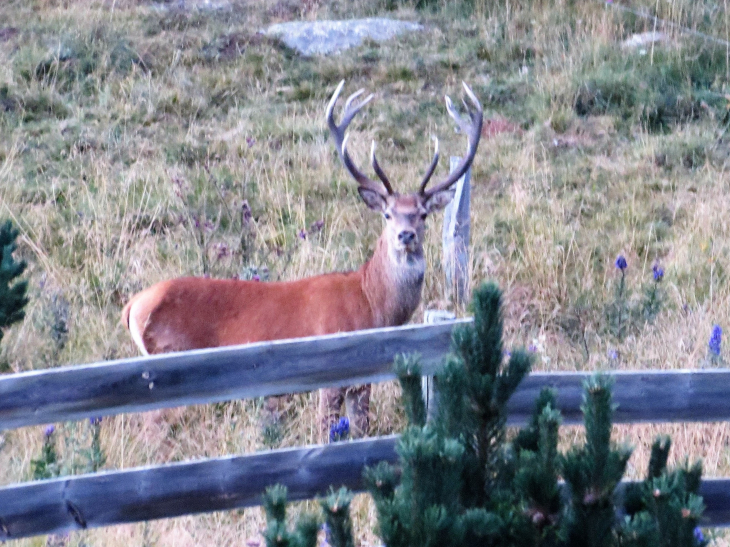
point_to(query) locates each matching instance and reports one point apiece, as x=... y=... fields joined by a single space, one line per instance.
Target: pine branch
x=277 y=534
x=408 y=370
x=337 y=517
x=659 y=455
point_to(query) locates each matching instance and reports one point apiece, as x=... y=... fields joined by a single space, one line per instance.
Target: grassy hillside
x=141 y=141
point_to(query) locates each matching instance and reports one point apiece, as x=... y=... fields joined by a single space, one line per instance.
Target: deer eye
x=387 y=216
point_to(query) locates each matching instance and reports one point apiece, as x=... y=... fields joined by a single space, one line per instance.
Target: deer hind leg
x=357 y=408
x=330 y=405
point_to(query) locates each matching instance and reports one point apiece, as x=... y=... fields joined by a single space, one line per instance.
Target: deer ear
x=440 y=200
x=372 y=199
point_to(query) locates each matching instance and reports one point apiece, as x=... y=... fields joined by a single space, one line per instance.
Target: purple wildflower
x=657 y=272
x=699 y=537
x=49 y=430
x=302 y=234
x=621 y=263
x=95 y=420
x=340 y=430
x=612 y=354
x=250 y=141
x=316 y=226
x=715 y=341
x=255 y=277
x=246 y=214
x=222 y=250
x=532 y=348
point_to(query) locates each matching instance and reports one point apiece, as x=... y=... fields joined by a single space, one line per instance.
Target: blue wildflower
x=340 y=430
x=621 y=262
x=96 y=420
x=715 y=341
x=658 y=273
x=699 y=537
x=49 y=430
x=612 y=354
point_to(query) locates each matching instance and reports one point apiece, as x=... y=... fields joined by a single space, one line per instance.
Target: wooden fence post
x=457 y=225
x=455 y=243
x=427 y=382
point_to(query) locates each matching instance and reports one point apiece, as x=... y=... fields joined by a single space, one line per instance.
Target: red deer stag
x=192 y=312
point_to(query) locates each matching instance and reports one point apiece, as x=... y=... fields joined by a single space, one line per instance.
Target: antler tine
x=473 y=130
x=354 y=96
x=432 y=167
x=339 y=133
x=378 y=171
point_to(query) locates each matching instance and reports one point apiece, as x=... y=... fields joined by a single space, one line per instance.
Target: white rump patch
x=136 y=331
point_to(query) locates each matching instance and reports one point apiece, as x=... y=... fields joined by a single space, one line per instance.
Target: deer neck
x=392 y=282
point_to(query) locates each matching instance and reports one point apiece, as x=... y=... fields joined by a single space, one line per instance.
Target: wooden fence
x=271 y=368
x=131 y=385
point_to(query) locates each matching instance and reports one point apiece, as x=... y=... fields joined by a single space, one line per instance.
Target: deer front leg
x=357 y=409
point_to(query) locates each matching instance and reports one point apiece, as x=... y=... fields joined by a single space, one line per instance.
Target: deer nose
x=406 y=237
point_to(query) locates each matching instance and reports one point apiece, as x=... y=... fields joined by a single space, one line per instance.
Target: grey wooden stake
x=455 y=263
x=430 y=397
x=457 y=225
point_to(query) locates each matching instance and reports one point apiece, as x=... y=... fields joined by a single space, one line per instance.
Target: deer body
x=193 y=313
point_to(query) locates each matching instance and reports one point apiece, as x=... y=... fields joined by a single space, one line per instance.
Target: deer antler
x=473 y=130
x=432 y=167
x=339 y=133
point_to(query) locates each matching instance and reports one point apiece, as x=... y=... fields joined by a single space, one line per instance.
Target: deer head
x=405 y=214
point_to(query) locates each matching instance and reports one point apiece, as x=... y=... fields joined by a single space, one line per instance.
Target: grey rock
x=644 y=39
x=327 y=37
x=202 y=6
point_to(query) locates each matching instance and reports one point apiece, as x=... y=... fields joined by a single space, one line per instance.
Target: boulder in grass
x=645 y=39
x=310 y=38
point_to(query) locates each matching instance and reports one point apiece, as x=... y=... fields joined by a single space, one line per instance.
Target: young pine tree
x=12 y=290
x=452 y=484
x=459 y=482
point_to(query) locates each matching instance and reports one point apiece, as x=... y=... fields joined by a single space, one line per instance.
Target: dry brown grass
x=88 y=164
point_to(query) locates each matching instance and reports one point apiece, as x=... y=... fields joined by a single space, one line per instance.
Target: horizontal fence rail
x=117 y=497
x=272 y=368
x=213 y=375
x=656 y=396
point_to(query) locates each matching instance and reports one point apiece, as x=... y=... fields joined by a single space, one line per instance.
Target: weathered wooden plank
x=220 y=374
x=256 y=370
x=716 y=496
x=641 y=395
x=103 y=499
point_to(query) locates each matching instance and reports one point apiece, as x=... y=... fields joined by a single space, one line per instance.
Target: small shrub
x=47 y=466
x=83 y=452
